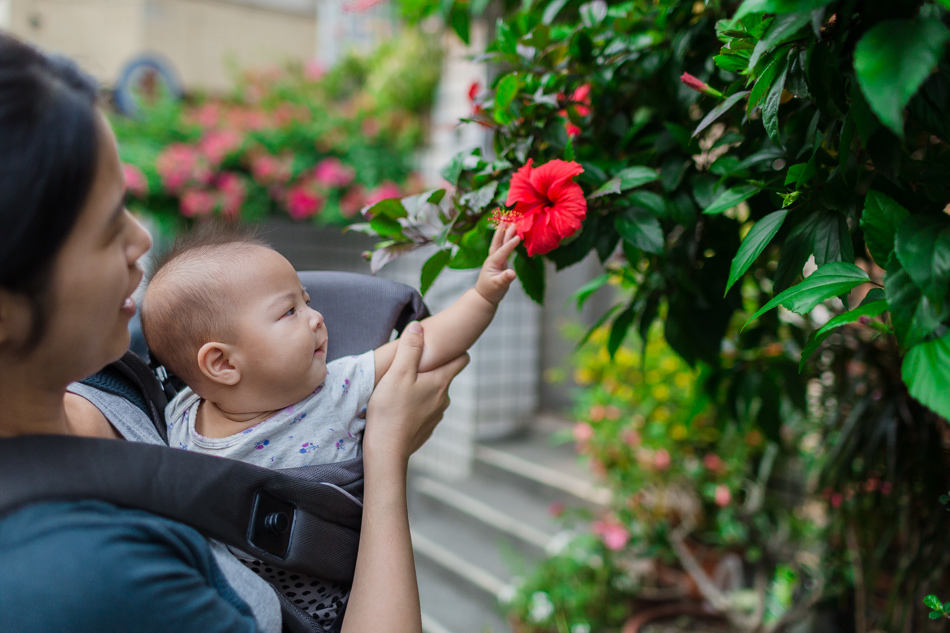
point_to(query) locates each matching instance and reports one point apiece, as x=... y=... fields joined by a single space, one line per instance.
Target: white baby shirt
x=324 y=427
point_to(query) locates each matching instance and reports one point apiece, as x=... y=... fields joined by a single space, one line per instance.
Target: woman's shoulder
x=101 y=567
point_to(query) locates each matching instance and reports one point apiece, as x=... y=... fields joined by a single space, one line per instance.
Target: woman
x=69 y=256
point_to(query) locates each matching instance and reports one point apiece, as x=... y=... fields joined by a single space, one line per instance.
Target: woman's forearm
x=385 y=595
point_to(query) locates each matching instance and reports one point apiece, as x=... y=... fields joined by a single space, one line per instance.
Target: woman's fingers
x=408 y=352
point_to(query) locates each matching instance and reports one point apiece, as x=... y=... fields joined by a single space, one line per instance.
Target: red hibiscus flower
x=548 y=204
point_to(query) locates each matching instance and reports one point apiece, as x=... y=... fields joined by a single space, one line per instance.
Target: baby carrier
x=302 y=519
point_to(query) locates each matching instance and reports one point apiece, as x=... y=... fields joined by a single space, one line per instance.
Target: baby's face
x=281 y=341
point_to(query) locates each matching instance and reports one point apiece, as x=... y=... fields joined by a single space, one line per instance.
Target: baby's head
x=228 y=315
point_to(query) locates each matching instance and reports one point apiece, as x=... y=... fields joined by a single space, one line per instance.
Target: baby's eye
x=291 y=312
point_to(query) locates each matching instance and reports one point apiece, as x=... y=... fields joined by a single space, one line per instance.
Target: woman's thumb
x=409 y=351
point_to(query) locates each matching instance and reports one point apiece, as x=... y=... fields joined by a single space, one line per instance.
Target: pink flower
x=180 y=165
x=556 y=508
x=631 y=438
x=232 y=191
x=196 y=203
x=313 y=70
x=331 y=172
x=713 y=462
x=580 y=101
x=583 y=432
x=270 y=170
x=207 y=114
x=597 y=413
x=352 y=201
x=303 y=203
x=836 y=499
x=384 y=191
x=614 y=535
x=135 y=182
x=723 y=495
x=217 y=144
x=661 y=459
x=699 y=86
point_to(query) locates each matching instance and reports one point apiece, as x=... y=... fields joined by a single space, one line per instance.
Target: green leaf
x=636 y=176
x=431 y=270
x=770 y=107
x=481 y=197
x=460 y=19
x=584 y=292
x=609 y=187
x=505 y=93
x=473 y=249
x=530 y=272
x=779 y=6
x=831 y=280
x=926 y=372
x=934 y=615
x=880 y=220
x=730 y=198
x=782 y=29
x=551 y=11
x=390 y=207
x=640 y=228
x=923 y=247
x=869 y=309
x=619 y=329
x=903 y=297
x=893 y=59
x=765 y=81
x=569 y=150
x=593 y=13
x=832 y=240
x=386 y=226
x=719 y=110
x=754 y=243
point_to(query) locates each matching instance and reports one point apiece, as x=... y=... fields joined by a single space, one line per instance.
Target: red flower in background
x=384 y=191
x=303 y=203
x=331 y=172
x=196 y=203
x=581 y=103
x=699 y=86
x=548 y=204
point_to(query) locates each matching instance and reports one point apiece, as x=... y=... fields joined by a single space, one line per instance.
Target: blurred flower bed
x=294 y=141
x=693 y=499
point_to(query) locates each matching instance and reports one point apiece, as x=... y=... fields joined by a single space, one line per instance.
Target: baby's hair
x=190 y=295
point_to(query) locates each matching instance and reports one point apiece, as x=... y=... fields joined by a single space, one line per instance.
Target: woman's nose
x=139 y=242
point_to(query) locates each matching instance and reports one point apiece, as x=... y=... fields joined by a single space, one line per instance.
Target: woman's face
x=94 y=276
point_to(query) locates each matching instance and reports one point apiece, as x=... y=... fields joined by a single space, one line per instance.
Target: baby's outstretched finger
x=498 y=238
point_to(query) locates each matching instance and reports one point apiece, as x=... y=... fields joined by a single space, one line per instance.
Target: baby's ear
x=214 y=361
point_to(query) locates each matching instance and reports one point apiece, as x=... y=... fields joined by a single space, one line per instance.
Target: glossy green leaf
x=893 y=59
x=730 y=198
x=831 y=280
x=903 y=297
x=551 y=11
x=584 y=292
x=386 y=226
x=754 y=243
x=390 y=207
x=619 y=329
x=505 y=93
x=593 y=13
x=880 y=220
x=432 y=268
x=719 y=110
x=922 y=245
x=530 y=271
x=636 y=176
x=782 y=29
x=779 y=6
x=932 y=602
x=816 y=338
x=832 y=239
x=641 y=229
x=610 y=187
x=771 y=105
x=480 y=198
x=926 y=372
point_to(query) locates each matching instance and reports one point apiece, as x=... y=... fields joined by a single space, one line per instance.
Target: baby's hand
x=495 y=277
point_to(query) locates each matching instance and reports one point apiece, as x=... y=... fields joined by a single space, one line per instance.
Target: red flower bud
x=699 y=86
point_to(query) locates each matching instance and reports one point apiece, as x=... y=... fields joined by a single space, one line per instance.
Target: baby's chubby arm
x=451 y=332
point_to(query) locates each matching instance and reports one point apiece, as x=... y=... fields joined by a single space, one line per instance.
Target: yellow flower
x=678 y=432
x=682 y=380
x=661 y=414
x=661 y=392
x=583 y=376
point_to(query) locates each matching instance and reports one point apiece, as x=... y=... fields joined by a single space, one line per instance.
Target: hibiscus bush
x=735 y=157
x=293 y=141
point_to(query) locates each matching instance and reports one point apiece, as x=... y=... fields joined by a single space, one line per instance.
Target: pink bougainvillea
x=135 y=182
x=384 y=191
x=331 y=172
x=303 y=203
x=197 y=203
x=614 y=535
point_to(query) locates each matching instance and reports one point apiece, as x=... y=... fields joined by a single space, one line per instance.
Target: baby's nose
x=316 y=320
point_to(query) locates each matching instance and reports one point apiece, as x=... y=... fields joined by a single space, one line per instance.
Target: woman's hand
x=406 y=405
x=404 y=409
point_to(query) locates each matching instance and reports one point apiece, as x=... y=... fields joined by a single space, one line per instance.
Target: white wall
x=4 y=14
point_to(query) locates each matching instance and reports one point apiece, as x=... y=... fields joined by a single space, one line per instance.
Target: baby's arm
x=451 y=332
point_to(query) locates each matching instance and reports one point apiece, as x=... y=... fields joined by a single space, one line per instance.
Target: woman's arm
x=402 y=413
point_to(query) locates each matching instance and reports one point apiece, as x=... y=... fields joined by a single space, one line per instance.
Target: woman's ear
x=215 y=360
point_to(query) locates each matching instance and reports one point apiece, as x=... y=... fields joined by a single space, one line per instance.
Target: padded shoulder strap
x=289 y=519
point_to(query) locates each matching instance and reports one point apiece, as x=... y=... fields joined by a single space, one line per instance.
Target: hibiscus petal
x=547 y=175
x=521 y=190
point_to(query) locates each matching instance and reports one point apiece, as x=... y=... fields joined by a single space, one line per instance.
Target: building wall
x=203 y=39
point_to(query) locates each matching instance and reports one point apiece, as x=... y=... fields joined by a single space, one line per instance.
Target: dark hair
x=48 y=158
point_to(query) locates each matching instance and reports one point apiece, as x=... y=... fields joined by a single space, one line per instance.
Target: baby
x=229 y=316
